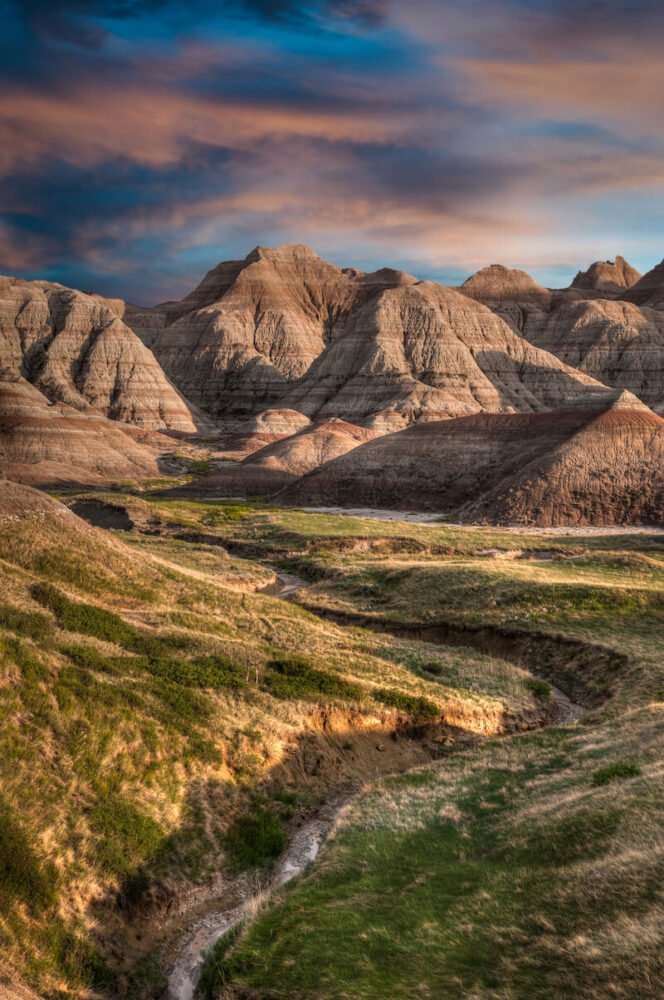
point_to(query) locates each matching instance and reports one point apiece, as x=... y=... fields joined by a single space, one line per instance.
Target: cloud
x=437 y=136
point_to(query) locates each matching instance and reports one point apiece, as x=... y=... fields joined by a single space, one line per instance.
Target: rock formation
x=649 y=291
x=614 y=341
x=607 y=276
x=601 y=465
x=280 y=463
x=283 y=329
x=75 y=349
x=47 y=444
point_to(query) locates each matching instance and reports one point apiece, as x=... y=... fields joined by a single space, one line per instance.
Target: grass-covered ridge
x=526 y=868
x=144 y=708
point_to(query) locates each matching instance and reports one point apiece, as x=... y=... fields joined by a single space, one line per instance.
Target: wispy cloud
x=439 y=137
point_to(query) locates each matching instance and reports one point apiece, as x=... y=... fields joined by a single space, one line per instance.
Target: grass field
x=530 y=867
x=158 y=716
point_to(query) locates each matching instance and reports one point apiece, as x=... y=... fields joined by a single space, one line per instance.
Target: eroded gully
x=234 y=901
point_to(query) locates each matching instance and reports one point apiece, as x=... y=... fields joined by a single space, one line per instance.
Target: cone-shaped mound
x=573 y=466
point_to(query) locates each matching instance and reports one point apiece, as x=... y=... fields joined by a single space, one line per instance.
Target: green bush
x=539 y=688
x=31 y=624
x=414 y=705
x=88 y=619
x=254 y=839
x=614 y=772
x=23 y=875
x=294 y=677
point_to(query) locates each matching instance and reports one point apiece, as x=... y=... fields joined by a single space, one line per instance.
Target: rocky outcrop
x=607 y=276
x=426 y=352
x=46 y=444
x=278 y=422
x=649 y=291
x=604 y=325
x=252 y=328
x=75 y=349
x=616 y=342
x=602 y=465
x=284 y=330
x=282 y=462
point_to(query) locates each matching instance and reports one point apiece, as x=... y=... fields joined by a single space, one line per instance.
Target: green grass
x=23 y=873
x=513 y=872
x=420 y=708
x=434 y=889
x=293 y=676
x=31 y=624
x=617 y=771
x=254 y=839
x=87 y=619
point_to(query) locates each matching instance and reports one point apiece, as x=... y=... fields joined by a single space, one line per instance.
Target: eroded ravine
x=239 y=899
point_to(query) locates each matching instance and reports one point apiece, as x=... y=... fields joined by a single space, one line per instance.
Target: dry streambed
x=238 y=899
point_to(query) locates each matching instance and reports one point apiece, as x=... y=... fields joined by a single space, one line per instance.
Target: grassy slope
x=529 y=867
x=142 y=710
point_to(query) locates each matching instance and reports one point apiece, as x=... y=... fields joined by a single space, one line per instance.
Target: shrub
x=23 y=875
x=127 y=837
x=413 y=705
x=539 y=688
x=614 y=772
x=295 y=677
x=88 y=619
x=31 y=624
x=215 y=672
x=254 y=839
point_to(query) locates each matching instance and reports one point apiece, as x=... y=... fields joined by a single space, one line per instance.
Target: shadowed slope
x=573 y=466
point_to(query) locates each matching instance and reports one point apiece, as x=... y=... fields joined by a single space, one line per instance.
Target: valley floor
x=171 y=722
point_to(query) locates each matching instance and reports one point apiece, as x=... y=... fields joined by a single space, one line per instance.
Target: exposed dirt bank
x=586 y=671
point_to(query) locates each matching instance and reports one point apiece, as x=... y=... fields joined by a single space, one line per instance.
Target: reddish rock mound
x=44 y=443
x=574 y=466
x=281 y=463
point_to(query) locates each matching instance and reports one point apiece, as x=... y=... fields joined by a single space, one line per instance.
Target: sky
x=143 y=141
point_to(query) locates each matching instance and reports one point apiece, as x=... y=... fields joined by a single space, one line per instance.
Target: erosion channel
x=236 y=900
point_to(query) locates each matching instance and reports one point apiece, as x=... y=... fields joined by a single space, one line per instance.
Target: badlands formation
x=331 y=385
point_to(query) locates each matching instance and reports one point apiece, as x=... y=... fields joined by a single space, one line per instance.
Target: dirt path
x=240 y=899
x=439 y=521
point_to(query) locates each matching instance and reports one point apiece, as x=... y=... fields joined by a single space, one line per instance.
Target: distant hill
x=576 y=466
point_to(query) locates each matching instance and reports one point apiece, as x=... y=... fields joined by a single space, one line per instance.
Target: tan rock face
x=276 y=422
x=43 y=443
x=605 y=325
x=284 y=330
x=251 y=328
x=650 y=289
x=614 y=341
x=575 y=466
x=75 y=349
x=607 y=276
x=425 y=352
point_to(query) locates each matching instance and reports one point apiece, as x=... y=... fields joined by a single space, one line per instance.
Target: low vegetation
x=158 y=728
